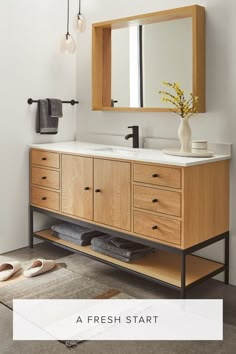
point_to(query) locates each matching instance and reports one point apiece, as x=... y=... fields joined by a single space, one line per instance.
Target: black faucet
x=135 y=136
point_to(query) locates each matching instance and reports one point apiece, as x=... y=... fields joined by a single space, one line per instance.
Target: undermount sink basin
x=116 y=151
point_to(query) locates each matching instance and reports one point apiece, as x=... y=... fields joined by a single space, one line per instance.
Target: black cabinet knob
x=155 y=200
x=44 y=177
x=44 y=198
x=155 y=175
x=155 y=227
x=44 y=158
x=86 y=188
x=97 y=190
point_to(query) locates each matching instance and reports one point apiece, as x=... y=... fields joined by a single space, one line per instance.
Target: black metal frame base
x=182 y=252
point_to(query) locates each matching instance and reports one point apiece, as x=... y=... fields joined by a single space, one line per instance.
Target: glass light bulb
x=68 y=45
x=80 y=23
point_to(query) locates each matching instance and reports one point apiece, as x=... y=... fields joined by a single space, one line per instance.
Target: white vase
x=184 y=134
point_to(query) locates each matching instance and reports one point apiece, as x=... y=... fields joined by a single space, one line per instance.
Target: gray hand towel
x=44 y=123
x=122 y=243
x=110 y=254
x=75 y=231
x=55 y=108
x=117 y=256
x=105 y=243
x=72 y=239
x=84 y=240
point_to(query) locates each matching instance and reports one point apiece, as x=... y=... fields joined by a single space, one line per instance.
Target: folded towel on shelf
x=54 y=108
x=44 y=123
x=105 y=243
x=76 y=241
x=122 y=243
x=110 y=254
x=75 y=231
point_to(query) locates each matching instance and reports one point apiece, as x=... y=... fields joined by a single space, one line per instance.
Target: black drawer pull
x=44 y=177
x=86 y=188
x=155 y=200
x=155 y=227
x=155 y=175
x=44 y=158
x=97 y=190
x=44 y=198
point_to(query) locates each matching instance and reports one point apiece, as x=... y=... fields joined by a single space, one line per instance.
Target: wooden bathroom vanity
x=177 y=205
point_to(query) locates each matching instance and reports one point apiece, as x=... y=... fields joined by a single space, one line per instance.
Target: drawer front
x=158 y=175
x=45 y=178
x=44 y=198
x=45 y=158
x=157 y=200
x=157 y=227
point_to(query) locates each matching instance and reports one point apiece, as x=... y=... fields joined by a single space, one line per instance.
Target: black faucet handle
x=134 y=135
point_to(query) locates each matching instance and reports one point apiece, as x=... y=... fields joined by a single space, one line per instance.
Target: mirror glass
x=145 y=56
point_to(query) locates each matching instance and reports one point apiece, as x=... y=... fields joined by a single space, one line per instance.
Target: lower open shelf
x=161 y=265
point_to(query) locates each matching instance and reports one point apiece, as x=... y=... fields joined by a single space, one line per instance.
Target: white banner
x=118 y=319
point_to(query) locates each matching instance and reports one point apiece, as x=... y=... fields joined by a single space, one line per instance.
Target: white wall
x=30 y=66
x=218 y=124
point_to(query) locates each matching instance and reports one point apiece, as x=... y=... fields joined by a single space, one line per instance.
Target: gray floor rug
x=60 y=283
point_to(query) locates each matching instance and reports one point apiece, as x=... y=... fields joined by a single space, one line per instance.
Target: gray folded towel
x=117 y=256
x=44 y=123
x=72 y=239
x=105 y=243
x=54 y=108
x=110 y=254
x=75 y=231
x=122 y=243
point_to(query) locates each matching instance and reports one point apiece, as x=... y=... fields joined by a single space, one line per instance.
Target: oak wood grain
x=157 y=200
x=112 y=204
x=158 y=175
x=45 y=178
x=77 y=186
x=157 y=227
x=45 y=158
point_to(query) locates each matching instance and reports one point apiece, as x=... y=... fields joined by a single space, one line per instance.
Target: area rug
x=60 y=283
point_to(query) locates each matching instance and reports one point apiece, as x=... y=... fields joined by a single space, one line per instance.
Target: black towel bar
x=72 y=102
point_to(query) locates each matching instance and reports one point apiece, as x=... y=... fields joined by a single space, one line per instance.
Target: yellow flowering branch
x=185 y=107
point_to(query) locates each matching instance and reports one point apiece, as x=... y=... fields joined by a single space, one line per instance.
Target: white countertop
x=120 y=152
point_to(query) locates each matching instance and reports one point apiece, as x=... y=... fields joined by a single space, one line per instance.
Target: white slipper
x=39 y=266
x=7 y=269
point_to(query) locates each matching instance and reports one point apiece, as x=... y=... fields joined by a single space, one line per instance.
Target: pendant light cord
x=68 y=17
x=79 y=7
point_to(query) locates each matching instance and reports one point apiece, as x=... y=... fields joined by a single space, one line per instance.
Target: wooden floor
x=161 y=265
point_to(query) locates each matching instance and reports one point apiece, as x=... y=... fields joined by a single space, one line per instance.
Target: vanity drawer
x=157 y=227
x=158 y=175
x=45 y=158
x=158 y=200
x=45 y=178
x=44 y=198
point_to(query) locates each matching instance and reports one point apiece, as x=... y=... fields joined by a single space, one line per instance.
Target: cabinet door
x=112 y=193
x=77 y=186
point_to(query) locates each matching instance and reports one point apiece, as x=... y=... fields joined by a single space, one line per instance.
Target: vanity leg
x=31 y=220
x=226 y=275
x=183 y=276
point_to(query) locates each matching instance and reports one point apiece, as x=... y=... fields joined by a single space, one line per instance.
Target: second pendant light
x=68 y=45
x=80 y=20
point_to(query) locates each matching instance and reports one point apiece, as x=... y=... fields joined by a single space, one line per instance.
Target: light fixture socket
x=80 y=22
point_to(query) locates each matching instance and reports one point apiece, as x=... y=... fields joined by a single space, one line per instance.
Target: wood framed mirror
x=132 y=56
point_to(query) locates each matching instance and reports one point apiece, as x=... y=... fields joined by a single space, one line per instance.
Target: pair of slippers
x=39 y=266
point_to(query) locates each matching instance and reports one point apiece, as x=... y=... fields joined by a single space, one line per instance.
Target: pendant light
x=68 y=45
x=80 y=20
